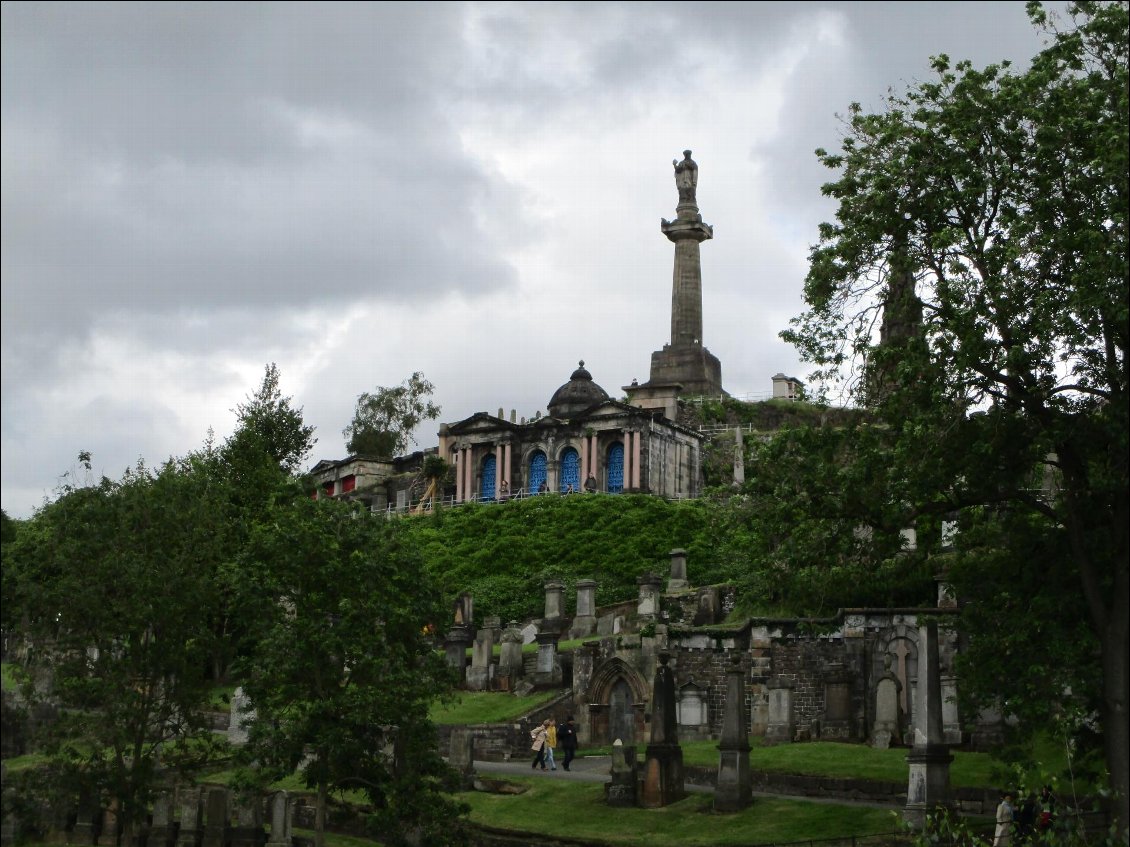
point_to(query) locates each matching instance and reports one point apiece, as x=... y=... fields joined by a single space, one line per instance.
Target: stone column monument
x=929 y=759
x=663 y=767
x=685 y=361
x=734 y=790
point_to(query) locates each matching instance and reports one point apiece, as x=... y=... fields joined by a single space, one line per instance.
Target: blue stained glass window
x=537 y=472
x=570 y=470
x=615 y=468
x=486 y=485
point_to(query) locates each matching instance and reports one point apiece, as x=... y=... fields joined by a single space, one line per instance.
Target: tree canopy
x=384 y=420
x=1000 y=199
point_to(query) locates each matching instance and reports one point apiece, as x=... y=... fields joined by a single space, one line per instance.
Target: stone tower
x=685 y=361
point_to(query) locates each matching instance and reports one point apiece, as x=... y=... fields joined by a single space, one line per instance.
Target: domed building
x=586 y=442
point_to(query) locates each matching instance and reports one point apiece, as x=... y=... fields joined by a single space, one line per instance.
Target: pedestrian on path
x=537 y=735
x=550 y=742
x=568 y=738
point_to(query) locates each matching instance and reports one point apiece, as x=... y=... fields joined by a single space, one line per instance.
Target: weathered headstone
x=929 y=760
x=677 y=581
x=248 y=829
x=548 y=668
x=510 y=663
x=216 y=819
x=280 y=820
x=191 y=831
x=707 y=611
x=461 y=756
x=584 y=622
x=837 y=722
x=242 y=715
x=623 y=788
x=478 y=675
x=691 y=709
x=734 y=788
x=885 y=728
x=553 y=592
x=649 y=603
x=163 y=832
x=663 y=766
x=781 y=728
x=529 y=633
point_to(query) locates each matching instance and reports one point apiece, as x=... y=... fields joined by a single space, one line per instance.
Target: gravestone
x=648 y=605
x=163 y=830
x=623 y=788
x=885 y=728
x=691 y=711
x=87 y=820
x=191 y=831
x=216 y=819
x=510 y=663
x=280 y=820
x=781 y=727
x=584 y=622
x=929 y=760
x=837 y=722
x=461 y=756
x=553 y=592
x=242 y=715
x=951 y=722
x=663 y=766
x=482 y=654
x=248 y=829
x=494 y=624
x=548 y=668
x=677 y=581
x=707 y=611
x=529 y=633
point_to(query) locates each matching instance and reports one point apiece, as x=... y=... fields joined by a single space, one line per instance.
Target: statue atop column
x=686 y=178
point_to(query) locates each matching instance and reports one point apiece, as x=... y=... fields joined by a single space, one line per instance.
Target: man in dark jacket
x=567 y=738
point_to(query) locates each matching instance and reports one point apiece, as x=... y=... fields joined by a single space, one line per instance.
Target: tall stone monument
x=734 y=787
x=928 y=785
x=663 y=767
x=685 y=361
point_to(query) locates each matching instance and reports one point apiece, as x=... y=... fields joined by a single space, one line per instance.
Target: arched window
x=570 y=470
x=486 y=481
x=536 y=477
x=615 y=466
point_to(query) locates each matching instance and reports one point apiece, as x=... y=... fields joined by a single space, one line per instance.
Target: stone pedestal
x=455 y=646
x=280 y=820
x=553 y=592
x=623 y=789
x=482 y=654
x=648 y=606
x=216 y=819
x=510 y=663
x=734 y=788
x=548 y=668
x=462 y=756
x=677 y=581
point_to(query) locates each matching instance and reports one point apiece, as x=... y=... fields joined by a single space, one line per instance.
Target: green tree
x=1006 y=194
x=268 y=424
x=106 y=585
x=383 y=421
x=343 y=669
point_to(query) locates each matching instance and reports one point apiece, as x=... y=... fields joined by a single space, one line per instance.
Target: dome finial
x=581 y=363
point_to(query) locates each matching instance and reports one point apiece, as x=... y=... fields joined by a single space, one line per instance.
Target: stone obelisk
x=685 y=361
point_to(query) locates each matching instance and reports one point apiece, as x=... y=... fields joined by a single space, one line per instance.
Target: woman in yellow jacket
x=550 y=743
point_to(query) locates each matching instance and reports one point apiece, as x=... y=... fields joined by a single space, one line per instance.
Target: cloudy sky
x=360 y=191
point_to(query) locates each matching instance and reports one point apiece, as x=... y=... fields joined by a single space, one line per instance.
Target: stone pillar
x=929 y=760
x=280 y=820
x=951 y=722
x=248 y=830
x=191 y=832
x=242 y=715
x=459 y=637
x=782 y=724
x=584 y=474
x=678 y=579
x=663 y=769
x=510 y=664
x=459 y=475
x=594 y=458
x=649 y=602
x=506 y=449
x=734 y=789
x=553 y=591
x=216 y=819
x=624 y=785
x=584 y=622
x=498 y=469
x=478 y=676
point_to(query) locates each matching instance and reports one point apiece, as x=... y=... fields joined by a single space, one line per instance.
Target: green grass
x=578 y=809
x=487 y=707
x=8 y=676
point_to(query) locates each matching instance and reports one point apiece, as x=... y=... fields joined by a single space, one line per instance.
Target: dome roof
x=578 y=394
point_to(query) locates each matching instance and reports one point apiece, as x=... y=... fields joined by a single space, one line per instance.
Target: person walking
x=1002 y=837
x=537 y=735
x=550 y=742
x=568 y=738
